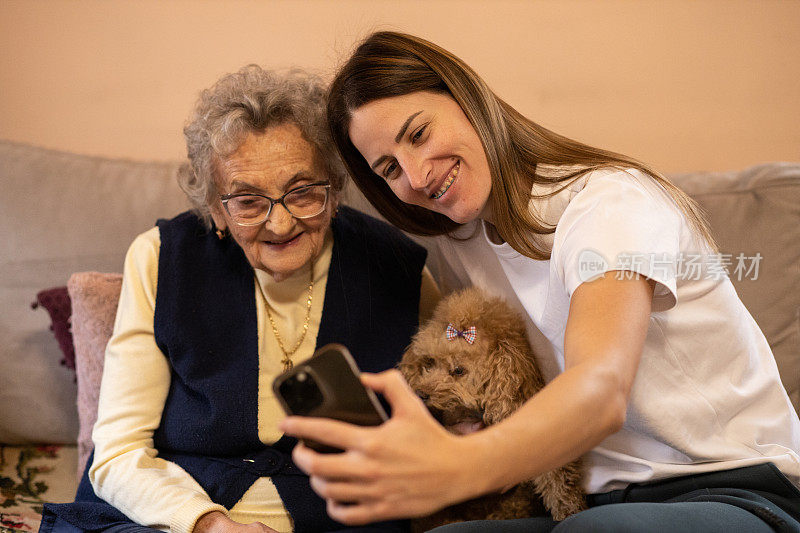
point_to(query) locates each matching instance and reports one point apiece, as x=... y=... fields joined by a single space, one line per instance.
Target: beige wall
x=684 y=85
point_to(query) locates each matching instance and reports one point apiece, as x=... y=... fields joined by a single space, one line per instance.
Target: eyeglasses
x=250 y=209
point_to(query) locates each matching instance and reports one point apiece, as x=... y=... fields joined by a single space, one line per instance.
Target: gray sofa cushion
x=61 y=213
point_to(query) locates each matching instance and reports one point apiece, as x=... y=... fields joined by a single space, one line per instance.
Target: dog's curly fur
x=475 y=385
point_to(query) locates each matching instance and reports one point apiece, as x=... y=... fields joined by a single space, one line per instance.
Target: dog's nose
x=423 y=396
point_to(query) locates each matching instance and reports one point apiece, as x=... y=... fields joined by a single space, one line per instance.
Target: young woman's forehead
x=384 y=120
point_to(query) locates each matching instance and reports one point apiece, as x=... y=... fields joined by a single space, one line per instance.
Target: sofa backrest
x=61 y=213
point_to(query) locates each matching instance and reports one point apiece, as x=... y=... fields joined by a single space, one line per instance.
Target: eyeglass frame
x=224 y=198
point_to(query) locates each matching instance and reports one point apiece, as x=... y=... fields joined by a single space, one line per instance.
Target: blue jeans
x=752 y=499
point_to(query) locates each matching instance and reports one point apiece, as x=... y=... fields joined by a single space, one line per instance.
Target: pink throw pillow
x=95 y=297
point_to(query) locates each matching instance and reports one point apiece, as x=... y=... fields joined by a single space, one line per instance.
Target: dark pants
x=752 y=499
x=55 y=524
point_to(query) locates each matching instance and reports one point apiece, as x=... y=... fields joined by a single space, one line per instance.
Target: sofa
x=66 y=221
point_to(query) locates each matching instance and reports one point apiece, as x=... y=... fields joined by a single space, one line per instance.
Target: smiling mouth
x=447 y=182
x=287 y=241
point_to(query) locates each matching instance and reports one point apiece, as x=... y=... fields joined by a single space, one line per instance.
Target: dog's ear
x=412 y=364
x=513 y=378
x=406 y=365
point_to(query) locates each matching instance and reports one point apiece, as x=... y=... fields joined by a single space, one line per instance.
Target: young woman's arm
x=410 y=466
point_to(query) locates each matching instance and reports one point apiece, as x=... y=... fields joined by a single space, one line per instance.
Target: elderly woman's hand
x=409 y=466
x=217 y=522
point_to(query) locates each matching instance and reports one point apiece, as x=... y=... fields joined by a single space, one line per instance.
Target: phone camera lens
x=301 y=393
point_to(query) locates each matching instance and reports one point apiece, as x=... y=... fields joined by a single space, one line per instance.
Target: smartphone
x=327 y=385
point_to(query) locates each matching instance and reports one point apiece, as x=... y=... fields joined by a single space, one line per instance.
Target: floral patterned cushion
x=31 y=476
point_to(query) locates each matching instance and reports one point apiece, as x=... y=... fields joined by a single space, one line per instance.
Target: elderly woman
x=217 y=302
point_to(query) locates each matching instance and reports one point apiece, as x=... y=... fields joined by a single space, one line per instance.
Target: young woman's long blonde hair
x=388 y=64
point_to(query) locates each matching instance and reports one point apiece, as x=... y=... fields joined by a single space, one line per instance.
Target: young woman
x=656 y=372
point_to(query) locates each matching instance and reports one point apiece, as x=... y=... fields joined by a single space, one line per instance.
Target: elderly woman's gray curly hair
x=246 y=101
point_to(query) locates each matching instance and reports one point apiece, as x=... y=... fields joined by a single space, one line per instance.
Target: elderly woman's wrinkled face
x=271 y=163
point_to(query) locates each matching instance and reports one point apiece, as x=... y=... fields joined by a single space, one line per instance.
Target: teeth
x=447 y=182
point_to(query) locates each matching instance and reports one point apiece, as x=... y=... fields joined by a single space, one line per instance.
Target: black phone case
x=343 y=396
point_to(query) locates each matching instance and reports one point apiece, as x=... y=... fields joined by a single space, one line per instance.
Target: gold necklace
x=287 y=361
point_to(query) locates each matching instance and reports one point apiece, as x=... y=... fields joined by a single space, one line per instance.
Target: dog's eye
x=428 y=363
x=458 y=371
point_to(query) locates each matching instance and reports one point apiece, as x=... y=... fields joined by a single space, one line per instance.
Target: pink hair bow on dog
x=468 y=334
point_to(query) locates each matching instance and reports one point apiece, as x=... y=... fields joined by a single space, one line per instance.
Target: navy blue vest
x=205 y=323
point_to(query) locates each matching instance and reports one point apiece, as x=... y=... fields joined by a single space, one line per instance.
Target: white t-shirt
x=707 y=395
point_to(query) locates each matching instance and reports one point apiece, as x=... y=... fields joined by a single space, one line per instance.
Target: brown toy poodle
x=472 y=365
